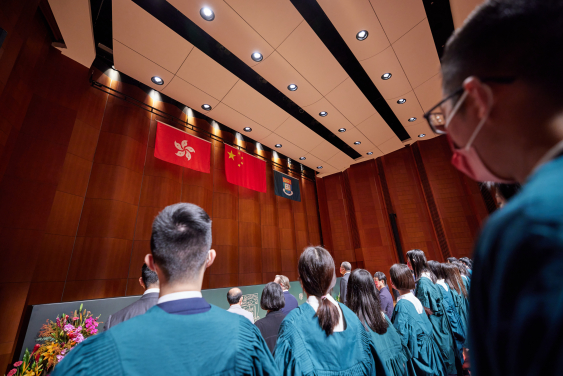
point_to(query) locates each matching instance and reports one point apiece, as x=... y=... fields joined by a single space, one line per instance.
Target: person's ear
x=149 y=260
x=210 y=258
x=480 y=95
x=142 y=283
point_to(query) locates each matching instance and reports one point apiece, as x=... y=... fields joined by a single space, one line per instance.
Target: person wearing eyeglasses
x=502 y=114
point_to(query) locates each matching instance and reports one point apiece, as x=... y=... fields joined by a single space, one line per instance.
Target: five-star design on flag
x=232 y=156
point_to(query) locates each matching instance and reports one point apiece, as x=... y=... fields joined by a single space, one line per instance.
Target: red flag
x=174 y=146
x=245 y=170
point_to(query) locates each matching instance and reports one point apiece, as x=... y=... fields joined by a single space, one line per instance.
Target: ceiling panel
x=144 y=34
x=299 y=134
x=206 y=74
x=324 y=151
x=327 y=170
x=351 y=102
x=138 y=66
x=373 y=128
x=350 y=17
x=274 y=20
x=313 y=162
x=189 y=95
x=461 y=9
x=430 y=92
x=399 y=16
x=255 y=106
x=352 y=135
x=280 y=73
x=340 y=161
x=420 y=128
x=333 y=121
x=411 y=108
x=387 y=62
x=417 y=53
x=235 y=120
x=228 y=28
x=288 y=149
x=391 y=145
x=310 y=57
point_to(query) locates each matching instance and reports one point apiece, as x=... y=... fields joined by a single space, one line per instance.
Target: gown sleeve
x=253 y=357
x=284 y=356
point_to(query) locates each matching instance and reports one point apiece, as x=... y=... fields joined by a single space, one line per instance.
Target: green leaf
x=81 y=306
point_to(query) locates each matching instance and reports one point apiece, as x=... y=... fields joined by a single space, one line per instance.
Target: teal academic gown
x=303 y=348
x=424 y=357
x=516 y=318
x=158 y=343
x=431 y=297
x=462 y=307
x=390 y=350
x=456 y=325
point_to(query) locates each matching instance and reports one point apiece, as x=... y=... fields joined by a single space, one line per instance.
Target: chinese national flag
x=245 y=170
x=174 y=146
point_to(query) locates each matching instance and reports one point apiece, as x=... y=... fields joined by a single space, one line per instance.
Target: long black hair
x=316 y=273
x=454 y=280
x=363 y=299
x=417 y=258
x=437 y=269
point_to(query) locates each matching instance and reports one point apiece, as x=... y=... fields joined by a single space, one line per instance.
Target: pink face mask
x=467 y=160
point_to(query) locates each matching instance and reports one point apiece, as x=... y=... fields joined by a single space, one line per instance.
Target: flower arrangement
x=60 y=336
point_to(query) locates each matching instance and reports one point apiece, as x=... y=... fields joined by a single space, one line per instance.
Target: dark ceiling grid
x=183 y=26
x=317 y=19
x=441 y=22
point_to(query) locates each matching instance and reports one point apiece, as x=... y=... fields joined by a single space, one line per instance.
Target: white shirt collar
x=314 y=303
x=426 y=274
x=551 y=153
x=413 y=299
x=179 y=295
x=148 y=291
x=443 y=283
x=285 y=290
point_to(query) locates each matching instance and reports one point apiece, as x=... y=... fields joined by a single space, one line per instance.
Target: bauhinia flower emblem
x=184 y=149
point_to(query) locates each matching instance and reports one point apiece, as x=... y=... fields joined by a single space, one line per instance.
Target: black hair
x=272 y=297
x=505 y=191
x=380 y=276
x=148 y=276
x=509 y=38
x=233 y=296
x=437 y=269
x=451 y=259
x=316 y=272
x=419 y=265
x=180 y=241
x=467 y=261
x=462 y=268
x=454 y=280
x=401 y=277
x=363 y=299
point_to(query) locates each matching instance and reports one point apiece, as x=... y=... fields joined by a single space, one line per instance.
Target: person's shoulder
x=297 y=314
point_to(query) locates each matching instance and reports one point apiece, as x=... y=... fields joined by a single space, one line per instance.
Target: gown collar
x=442 y=283
x=413 y=299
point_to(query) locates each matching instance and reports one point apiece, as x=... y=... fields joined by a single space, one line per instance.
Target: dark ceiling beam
x=441 y=22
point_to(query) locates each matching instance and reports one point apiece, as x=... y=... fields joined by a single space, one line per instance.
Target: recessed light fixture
x=362 y=35
x=421 y=135
x=207 y=14
x=257 y=56
x=278 y=145
x=412 y=119
x=247 y=129
x=302 y=158
x=157 y=80
x=113 y=67
x=206 y=107
x=292 y=87
x=342 y=130
x=386 y=76
x=319 y=167
x=323 y=113
x=369 y=153
x=401 y=101
x=357 y=143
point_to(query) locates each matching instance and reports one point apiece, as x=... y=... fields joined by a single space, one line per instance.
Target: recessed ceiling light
x=157 y=80
x=206 y=107
x=207 y=14
x=113 y=67
x=369 y=153
x=421 y=135
x=292 y=87
x=257 y=56
x=323 y=113
x=278 y=145
x=342 y=130
x=247 y=129
x=386 y=76
x=319 y=167
x=362 y=35
x=357 y=143
x=401 y=101
x=412 y=119
x=302 y=158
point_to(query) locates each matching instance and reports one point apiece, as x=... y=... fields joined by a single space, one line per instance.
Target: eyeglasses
x=435 y=116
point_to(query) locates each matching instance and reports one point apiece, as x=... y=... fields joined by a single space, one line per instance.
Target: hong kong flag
x=245 y=170
x=174 y=146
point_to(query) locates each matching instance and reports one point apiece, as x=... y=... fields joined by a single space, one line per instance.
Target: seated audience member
x=272 y=300
x=290 y=301
x=385 y=298
x=149 y=282
x=235 y=298
x=322 y=336
x=363 y=300
x=430 y=297
x=412 y=323
x=458 y=291
x=182 y=334
x=345 y=269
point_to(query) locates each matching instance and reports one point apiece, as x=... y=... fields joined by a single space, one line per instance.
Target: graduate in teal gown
x=182 y=334
x=323 y=336
x=431 y=298
x=411 y=322
x=363 y=299
x=458 y=292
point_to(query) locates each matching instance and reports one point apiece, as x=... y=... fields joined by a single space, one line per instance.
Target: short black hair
x=181 y=240
x=509 y=38
x=380 y=276
x=272 y=297
x=234 y=297
x=401 y=277
x=148 y=276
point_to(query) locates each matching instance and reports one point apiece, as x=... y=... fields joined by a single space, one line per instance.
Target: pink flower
x=12 y=372
x=63 y=352
x=79 y=338
x=68 y=328
x=17 y=364
x=59 y=358
x=93 y=331
x=75 y=318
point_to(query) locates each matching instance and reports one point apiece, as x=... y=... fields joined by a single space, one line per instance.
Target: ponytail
x=328 y=315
